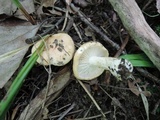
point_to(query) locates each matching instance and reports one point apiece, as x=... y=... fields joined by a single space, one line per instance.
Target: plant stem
x=25 y=13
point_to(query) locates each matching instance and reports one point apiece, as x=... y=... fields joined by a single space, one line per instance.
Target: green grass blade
x=141 y=63
x=17 y=83
x=138 y=60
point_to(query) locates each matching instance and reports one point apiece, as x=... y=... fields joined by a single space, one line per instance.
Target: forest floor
x=115 y=98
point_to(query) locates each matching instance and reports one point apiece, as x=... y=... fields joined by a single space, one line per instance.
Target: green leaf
x=138 y=60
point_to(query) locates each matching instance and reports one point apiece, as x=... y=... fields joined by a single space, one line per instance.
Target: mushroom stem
x=117 y=67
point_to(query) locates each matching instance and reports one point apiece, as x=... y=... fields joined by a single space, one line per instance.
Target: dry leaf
x=147 y=93
x=48 y=3
x=133 y=88
x=88 y=32
x=8 y=8
x=13 y=48
x=58 y=83
x=68 y=2
x=158 y=5
x=55 y=12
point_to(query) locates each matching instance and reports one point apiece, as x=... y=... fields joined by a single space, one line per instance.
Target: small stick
x=65 y=20
x=116 y=102
x=67 y=111
x=38 y=37
x=92 y=117
x=76 y=29
x=95 y=28
x=148 y=75
x=147 y=4
x=96 y=104
x=122 y=47
x=155 y=107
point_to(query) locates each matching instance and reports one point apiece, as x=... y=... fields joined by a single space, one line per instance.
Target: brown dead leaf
x=146 y=93
x=48 y=3
x=133 y=88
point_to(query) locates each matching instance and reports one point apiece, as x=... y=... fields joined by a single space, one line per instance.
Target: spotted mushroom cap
x=59 y=50
x=81 y=68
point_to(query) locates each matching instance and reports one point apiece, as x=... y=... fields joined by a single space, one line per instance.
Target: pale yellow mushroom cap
x=81 y=68
x=59 y=50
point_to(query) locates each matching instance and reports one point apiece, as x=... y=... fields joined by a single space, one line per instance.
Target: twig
x=86 y=113
x=92 y=98
x=95 y=28
x=93 y=117
x=65 y=20
x=69 y=24
x=110 y=22
x=64 y=107
x=76 y=29
x=116 y=102
x=67 y=111
x=147 y=4
x=148 y=75
x=37 y=37
x=70 y=113
x=155 y=107
x=122 y=47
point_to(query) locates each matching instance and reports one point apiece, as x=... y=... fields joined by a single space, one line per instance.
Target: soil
x=115 y=98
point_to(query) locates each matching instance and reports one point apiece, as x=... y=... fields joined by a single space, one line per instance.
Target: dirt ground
x=115 y=98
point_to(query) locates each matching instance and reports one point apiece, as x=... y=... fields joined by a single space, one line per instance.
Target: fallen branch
x=134 y=21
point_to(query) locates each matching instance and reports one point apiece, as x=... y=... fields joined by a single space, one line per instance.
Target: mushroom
x=59 y=50
x=91 y=59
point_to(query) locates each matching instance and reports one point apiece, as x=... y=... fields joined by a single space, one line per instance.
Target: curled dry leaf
x=134 y=89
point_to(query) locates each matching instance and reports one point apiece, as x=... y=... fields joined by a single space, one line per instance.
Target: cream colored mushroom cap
x=81 y=68
x=59 y=50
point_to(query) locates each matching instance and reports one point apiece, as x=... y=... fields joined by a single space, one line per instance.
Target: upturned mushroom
x=59 y=50
x=91 y=59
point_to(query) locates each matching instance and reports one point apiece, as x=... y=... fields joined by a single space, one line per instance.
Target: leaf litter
x=73 y=93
